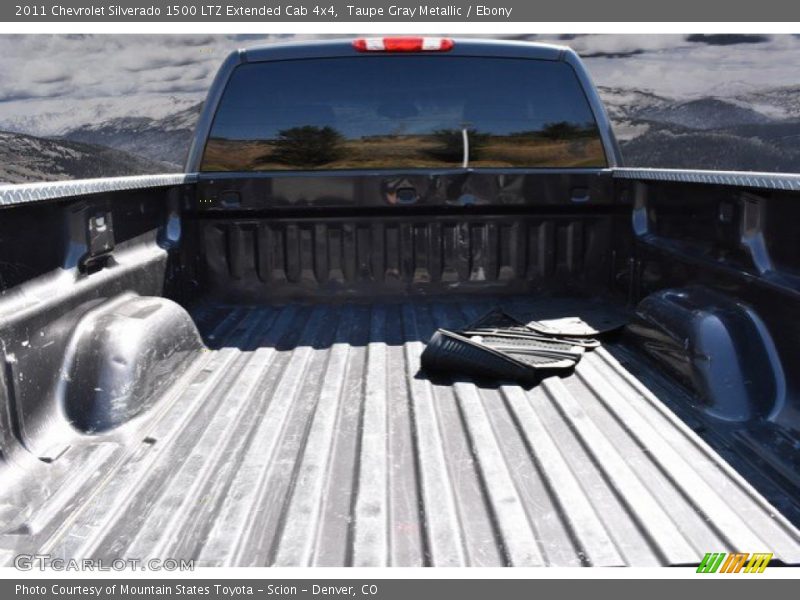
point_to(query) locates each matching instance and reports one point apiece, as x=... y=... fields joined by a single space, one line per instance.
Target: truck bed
x=224 y=365
x=307 y=435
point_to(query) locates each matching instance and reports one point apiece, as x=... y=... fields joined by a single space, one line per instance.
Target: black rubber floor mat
x=452 y=353
x=499 y=345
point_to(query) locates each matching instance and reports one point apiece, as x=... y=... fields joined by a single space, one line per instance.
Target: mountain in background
x=164 y=139
x=753 y=130
x=625 y=103
x=54 y=117
x=704 y=112
x=779 y=102
x=726 y=150
x=26 y=159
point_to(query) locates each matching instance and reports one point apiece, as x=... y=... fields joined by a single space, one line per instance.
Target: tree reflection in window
x=403 y=112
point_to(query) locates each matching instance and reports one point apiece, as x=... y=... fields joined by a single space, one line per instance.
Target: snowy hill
x=164 y=139
x=25 y=159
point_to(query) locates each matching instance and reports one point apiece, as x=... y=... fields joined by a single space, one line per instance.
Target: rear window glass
x=399 y=112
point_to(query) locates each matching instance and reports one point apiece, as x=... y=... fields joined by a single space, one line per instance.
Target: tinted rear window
x=398 y=112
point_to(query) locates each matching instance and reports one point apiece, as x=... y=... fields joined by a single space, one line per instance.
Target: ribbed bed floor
x=308 y=436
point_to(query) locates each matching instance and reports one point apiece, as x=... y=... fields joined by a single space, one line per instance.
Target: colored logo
x=738 y=562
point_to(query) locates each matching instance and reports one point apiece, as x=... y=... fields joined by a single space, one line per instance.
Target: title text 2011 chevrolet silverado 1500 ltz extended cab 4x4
x=224 y=365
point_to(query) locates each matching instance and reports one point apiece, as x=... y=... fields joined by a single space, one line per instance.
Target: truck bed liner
x=308 y=436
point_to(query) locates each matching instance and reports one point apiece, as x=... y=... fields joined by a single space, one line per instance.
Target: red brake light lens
x=403 y=44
